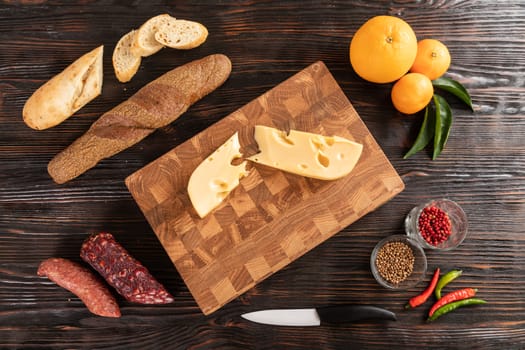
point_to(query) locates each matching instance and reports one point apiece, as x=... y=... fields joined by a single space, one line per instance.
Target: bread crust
x=156 y=105
x=65 y=93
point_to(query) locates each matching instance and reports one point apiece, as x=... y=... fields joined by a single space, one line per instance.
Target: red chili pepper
x=421 y=298
x=456 y=295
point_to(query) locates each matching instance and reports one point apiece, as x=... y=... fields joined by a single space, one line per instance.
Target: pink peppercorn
x=434 y=225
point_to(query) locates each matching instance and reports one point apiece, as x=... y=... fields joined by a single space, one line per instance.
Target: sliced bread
x=125 y=62
x=181 y=34
x=145 y=43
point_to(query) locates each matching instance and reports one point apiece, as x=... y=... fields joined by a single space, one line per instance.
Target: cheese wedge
x=216 y=177
x=307 y=154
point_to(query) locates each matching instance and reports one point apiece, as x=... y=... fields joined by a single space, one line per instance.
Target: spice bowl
x=438 y=224
x=398 y=262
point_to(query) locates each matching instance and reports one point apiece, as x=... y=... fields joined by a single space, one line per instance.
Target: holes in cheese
x=306 y=154
x=323 y=160
x=321 y=142
x=281 y=137
x=219 y=185
x=213 y=180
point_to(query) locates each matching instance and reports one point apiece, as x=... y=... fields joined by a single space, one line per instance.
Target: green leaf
x=425 y=133
x=455 y=88
x=443 y=124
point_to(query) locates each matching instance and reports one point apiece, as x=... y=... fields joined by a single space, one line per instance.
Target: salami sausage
x=81 y=282
x=122 y=271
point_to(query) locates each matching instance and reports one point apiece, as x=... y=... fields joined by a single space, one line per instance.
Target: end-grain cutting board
x=272 y=217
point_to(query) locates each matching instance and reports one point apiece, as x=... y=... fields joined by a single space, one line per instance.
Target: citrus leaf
x=443 y=124
x=425 y=133
x=455 y=88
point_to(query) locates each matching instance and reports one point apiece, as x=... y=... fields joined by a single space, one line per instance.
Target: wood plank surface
x=272 y=218
x=482 y=168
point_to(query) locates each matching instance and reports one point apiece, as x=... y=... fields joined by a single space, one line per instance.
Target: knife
x=321 y=315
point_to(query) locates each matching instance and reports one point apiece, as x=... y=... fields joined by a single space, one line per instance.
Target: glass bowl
x=458 y=225
x=387 y=263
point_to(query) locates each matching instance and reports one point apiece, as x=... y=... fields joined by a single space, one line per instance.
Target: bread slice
x=181 y=34
x=125 y=63
x=145 y=43
x=65 y=93
x=153 y=35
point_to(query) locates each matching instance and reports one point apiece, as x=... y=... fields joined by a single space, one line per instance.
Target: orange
x=432 y=59
x=412 y=93
x=383 y=49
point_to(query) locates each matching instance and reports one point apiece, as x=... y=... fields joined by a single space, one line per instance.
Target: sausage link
x=81 y=282
x=122 y=271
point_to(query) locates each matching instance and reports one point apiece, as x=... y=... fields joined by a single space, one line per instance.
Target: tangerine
x=383 y=49
x=432 y=59
x=412 y=93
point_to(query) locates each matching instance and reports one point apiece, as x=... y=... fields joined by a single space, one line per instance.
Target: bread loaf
x=155 y=105
x=66 y=92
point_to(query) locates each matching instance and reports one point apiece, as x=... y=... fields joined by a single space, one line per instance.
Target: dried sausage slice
x=122 y=271
x=81 y=282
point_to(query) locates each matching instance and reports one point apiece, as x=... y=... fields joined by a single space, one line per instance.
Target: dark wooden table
x=482 y=168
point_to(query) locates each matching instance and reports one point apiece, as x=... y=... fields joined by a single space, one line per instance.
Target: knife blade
x=318 y=316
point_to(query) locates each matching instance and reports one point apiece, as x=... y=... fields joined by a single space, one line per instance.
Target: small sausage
x=122 y=271
x=81 y=282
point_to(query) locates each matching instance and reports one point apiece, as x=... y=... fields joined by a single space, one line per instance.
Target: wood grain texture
x=482 y=168
x=272 y=218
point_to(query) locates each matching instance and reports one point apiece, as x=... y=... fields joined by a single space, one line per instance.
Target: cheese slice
x=216 y=177
x=306 y=154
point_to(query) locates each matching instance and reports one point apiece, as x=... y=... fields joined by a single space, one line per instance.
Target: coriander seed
x=395 y=262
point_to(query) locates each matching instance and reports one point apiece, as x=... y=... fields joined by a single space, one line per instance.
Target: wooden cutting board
x=272 y=217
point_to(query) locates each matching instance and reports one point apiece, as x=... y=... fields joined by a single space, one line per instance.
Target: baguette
x=65 y=93
x=154 y=106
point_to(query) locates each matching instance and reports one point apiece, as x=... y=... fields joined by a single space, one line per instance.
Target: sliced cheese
x=216 y=177
x=306 y=154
